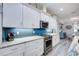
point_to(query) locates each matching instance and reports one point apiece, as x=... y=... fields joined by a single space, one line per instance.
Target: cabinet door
x=17 y=53
x=27 y=22
x=12 y=50
x=52 y=23
x=55 y=40
x=32 y=48
x=43 y=17
x=12 y=15
x=36 y=20
x=30 y=18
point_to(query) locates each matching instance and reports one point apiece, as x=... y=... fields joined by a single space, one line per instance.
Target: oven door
x=47 y=46
x=48 y=43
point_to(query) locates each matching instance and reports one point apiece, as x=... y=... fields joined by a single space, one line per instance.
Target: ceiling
x=69 y=9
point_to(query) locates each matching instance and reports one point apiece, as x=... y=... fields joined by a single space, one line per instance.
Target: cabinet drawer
x=38 y=52
x=34 y=43
x=39 y=43
x=17 y=53
x=33 y=46
x=11 y=49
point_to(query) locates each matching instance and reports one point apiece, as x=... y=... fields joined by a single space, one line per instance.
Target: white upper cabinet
x=12 y=15
x=53 y=23
x=44 y=17
x=18 y=15
x=31 y=18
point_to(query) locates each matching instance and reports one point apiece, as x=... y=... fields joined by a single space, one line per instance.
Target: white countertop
x=20 y=40
x=52 y=34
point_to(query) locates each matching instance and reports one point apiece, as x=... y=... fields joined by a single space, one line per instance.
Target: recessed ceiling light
x=61 y=9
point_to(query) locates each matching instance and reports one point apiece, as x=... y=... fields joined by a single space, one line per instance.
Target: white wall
x=0 y=26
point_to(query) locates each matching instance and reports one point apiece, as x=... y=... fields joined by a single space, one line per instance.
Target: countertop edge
x=20 y=43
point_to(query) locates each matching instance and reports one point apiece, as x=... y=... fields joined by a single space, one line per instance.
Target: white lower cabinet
x=17 y=53
x=55 y=40
x=13 y=50
x=39 y=52
x=32 y=48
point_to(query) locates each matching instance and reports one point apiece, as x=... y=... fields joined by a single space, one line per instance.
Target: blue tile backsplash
x=19 y=33
x=42 y=31
x=39 y=31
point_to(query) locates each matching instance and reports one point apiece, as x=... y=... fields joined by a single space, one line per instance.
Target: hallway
x=61 y=49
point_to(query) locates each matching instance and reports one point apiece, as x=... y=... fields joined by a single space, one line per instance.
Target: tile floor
x=61 y=49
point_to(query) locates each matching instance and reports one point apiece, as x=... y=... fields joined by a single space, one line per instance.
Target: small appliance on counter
x=10 y=36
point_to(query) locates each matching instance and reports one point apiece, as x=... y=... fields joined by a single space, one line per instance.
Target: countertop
x=51 y=34
x=20 y=40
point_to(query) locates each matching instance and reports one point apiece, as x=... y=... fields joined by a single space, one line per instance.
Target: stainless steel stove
x=47 y=44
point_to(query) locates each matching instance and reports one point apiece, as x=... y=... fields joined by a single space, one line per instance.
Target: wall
x=0 y=25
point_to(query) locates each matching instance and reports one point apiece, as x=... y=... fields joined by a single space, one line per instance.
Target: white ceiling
x=70 y=9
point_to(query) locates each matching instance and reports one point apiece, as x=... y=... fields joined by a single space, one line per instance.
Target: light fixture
x=75 y=18
x=61 y=9
x=17 y=33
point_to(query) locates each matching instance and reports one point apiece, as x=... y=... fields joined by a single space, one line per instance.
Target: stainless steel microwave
x=43 y=24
